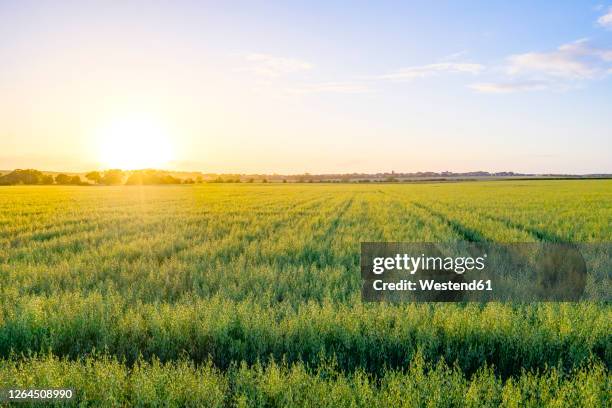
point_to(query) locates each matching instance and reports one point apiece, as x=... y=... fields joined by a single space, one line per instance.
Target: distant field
x=249 y=295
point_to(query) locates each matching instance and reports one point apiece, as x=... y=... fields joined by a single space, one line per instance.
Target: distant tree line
x=28 y=176
x=110 y=177
x=114 y=177
x=33 y=177
x=36 y=177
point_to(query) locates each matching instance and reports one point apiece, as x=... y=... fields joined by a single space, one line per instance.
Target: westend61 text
x=428 y=284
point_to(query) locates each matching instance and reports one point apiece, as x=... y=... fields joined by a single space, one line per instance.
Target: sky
x=320 y=87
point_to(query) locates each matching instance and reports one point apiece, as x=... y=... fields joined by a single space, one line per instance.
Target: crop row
x=104 y=381
x=369 y=336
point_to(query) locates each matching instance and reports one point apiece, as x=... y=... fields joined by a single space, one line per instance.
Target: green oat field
x=225 y=295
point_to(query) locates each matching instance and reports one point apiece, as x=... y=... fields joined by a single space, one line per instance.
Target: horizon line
x=445 y=173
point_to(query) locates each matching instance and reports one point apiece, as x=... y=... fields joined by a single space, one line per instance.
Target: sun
x=136 y=142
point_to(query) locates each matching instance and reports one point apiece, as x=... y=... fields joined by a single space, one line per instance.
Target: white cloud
x=509 y=87
x=329 y=87
x=422 y=71
x=576 y=60
x=567 y=67
x=272 y=66
x=606 y=20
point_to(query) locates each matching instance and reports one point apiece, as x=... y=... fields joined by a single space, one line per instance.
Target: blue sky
x=293 y=87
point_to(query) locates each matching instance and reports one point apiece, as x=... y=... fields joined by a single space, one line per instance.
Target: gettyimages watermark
x=468 y=271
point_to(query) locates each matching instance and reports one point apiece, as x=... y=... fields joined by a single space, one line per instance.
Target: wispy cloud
x=272 y=66
x=509 y=87
x=575 y=60
x=423 y=71
x=365 y=84
x=274 y=70
x=330 y=87
x=564 y=68
x=605 y=21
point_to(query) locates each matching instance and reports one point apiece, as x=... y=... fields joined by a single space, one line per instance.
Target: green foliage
x=148 y=177
x=113 y=177
x=62 y=179
x=65 y=179
x=28 y=176
x=94 y=176
x=46 y=179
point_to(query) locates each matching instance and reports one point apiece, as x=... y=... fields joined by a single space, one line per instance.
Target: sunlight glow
x=136 y=142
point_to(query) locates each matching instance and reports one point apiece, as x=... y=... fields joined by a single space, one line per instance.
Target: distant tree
x=113 y=177
x=76 y=180
x=47 y=179
x=251 y=180
x=189 y=181
x=284 y=180
x=264 y=180
x=94 y=176
x=18 y=176
x=134 y=179
x=149 y=177
x=167 y=179
x=199 y=179
x=63 y=179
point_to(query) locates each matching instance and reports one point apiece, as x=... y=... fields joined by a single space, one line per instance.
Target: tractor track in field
x=463 y=231
x=472 y=235
x=309 y=253
x=336 y=222
x=540 y=235
x=466 y=233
